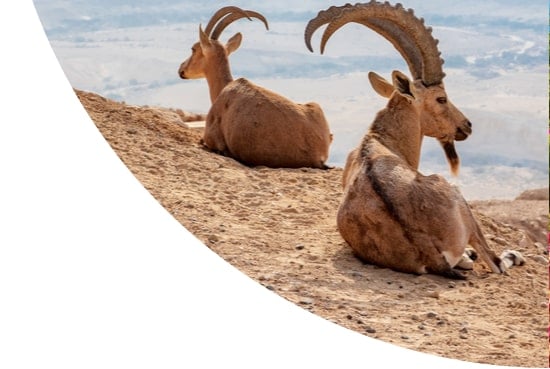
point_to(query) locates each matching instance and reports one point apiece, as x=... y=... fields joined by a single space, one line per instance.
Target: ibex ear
x=234 y=42
x=402 y=83
x=203 y=38
x=380 y=85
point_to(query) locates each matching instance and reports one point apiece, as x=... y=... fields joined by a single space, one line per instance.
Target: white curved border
x=95 y=273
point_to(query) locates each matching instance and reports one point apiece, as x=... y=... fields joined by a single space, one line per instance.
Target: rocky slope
x=278 y=226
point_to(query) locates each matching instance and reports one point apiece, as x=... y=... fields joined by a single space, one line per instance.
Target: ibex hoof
x=509 y=258
x=467 y=260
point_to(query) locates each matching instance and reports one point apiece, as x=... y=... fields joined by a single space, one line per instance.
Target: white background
x=94 y=273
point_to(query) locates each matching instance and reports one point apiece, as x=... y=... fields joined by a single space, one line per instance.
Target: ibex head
x=209 y=52
x=414 y=41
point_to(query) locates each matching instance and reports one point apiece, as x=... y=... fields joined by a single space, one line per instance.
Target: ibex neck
x=218 y=77
x=398 y=128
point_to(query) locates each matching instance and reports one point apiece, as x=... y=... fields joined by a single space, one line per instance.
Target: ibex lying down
x=249 y=123
x=392 y=215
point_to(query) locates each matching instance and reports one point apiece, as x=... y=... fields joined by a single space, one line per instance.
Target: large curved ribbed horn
x=226 y=21
x=401 y=27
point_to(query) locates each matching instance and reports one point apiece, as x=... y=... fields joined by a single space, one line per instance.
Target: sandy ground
x=278 y=226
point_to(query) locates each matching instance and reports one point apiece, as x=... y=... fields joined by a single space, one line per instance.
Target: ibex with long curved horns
x=392 y=215
x=249 y=123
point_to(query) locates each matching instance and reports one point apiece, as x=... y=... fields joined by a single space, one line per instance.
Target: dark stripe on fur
x=387 y=200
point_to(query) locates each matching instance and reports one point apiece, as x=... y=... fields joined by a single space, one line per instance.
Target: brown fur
x=250 y=123
x=391 y=214
x=259 y=127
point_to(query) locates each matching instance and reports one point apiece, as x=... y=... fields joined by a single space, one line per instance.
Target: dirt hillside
x=278 y=226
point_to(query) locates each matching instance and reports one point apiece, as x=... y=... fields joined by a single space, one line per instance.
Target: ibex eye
x=442 y=100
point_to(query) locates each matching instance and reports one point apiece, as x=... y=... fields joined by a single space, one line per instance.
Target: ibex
x=247 y=122
x=391 y=215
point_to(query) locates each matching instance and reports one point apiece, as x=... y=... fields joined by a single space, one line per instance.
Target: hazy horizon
x=495 y=59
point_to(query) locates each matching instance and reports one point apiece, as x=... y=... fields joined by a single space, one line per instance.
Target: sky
x=495 y=59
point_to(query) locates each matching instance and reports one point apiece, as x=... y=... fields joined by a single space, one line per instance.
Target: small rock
x=369 y=329
x=405 y=337
x=431 y=314
x=541 y=248
x=539 y=259
x=433 y=294
x=299 y=247
x=463 y=336
x=451 y=285
x=463 y=330
x=306 y=301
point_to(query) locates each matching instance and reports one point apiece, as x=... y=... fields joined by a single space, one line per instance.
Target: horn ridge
x=217 y=16
x=401 y=27
x=322 y=18
x=230 y=18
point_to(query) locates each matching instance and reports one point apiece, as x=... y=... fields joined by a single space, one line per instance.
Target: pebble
x=369 y=329
x=433 y=294
x=299 y=247
x=539 y=259
x=431 y=314
x=541 y=248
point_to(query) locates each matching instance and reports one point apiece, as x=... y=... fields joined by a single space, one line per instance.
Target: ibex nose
x=463 y=132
